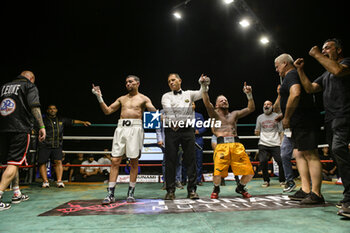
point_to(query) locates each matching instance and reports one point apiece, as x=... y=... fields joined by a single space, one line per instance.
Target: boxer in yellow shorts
x=231 y=153
x=228 y=150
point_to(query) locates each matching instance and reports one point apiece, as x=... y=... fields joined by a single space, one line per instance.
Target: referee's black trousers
x=173 y=139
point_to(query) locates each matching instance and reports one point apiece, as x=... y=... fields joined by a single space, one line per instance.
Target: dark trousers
x=178 y=176
x=185 y=137
x=199 y=161
x=275 y=152
x=338 y=137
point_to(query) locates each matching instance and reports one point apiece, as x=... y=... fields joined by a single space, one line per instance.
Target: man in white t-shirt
x=90 y=173
x=105 y=160
x=270 y=132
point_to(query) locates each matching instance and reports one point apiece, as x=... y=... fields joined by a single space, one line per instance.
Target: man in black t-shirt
x=335 y=85
x=51 y=148
x=19 y=102
x=300 y=114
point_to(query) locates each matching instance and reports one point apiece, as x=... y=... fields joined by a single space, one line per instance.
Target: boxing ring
x=79 y=204
x=149 y=142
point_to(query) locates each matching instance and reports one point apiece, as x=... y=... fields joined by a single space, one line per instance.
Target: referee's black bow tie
x=177 y=92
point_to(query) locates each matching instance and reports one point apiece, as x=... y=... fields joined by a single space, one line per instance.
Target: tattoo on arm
x=37 y=115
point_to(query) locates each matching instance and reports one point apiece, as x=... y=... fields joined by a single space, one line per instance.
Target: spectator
x=270 y=132
x=66 y=170
x=90 y=173
x=329 y=169
x=105 y=160
x=74 y=173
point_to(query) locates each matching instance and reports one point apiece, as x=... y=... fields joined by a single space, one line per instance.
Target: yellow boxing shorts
x=233 y=154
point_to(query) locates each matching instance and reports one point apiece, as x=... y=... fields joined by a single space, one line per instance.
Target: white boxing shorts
x=128 y=138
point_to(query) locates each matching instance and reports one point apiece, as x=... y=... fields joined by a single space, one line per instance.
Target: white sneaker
x=45 y=185
x=60 y=184
x=339 y=181
x=4 y=206
x=19 y=199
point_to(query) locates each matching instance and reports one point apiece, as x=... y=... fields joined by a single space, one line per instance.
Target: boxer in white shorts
x=128 y=137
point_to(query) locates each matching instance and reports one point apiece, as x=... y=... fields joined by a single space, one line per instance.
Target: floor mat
x=159 y=206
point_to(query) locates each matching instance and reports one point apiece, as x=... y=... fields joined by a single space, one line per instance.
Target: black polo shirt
x=54 y=131
x=336 y=93
x=306 y=114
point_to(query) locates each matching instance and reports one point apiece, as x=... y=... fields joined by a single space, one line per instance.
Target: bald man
x=301 y=116
x=270 y=132
x=19 y=103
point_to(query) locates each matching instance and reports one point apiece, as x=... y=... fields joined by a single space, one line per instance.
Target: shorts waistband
x=129 y=122
x=227 y=139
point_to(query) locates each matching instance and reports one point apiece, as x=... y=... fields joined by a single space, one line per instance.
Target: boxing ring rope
x=145 y=152
x=102 y=138
x=142 y=165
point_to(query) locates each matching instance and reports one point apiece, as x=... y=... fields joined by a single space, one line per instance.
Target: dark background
x=71 y=44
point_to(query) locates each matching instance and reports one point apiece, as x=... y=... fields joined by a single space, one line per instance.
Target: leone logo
x=7 y=106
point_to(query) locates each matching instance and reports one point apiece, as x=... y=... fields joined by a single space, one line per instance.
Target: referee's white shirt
x=179 y=107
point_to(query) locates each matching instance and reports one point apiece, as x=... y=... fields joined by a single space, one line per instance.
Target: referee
x=177 y=105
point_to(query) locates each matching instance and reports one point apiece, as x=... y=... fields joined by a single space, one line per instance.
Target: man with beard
x=51 y=148
x=229 y=151
x=335 y=85
x=128 y=136
x=270 y=133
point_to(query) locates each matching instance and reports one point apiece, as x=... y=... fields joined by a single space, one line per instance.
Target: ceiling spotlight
x=177 y=15
x=264 y=40
x=244 y=23
x=228 y=1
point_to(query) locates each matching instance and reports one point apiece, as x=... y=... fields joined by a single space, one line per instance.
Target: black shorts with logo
x=305 y=138
x=45 y=154
x=14 y=148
